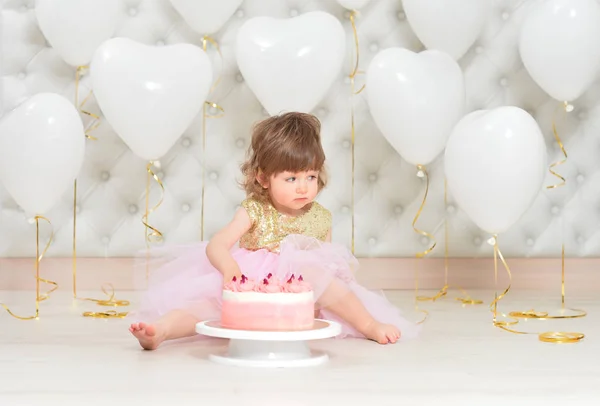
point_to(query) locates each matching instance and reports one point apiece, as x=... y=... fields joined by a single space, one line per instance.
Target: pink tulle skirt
x=182 y=278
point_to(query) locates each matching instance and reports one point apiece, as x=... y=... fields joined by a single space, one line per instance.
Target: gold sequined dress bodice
x=270 y=227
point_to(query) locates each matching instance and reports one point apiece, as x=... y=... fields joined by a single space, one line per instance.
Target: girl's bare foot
x=147 y=335
x=381 y=333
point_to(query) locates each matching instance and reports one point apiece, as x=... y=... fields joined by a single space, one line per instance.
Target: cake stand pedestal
x=271 y=349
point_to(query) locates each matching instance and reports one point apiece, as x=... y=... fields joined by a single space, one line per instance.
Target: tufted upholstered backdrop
x=111 y=187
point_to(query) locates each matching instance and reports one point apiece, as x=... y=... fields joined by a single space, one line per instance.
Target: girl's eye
x=291 y=179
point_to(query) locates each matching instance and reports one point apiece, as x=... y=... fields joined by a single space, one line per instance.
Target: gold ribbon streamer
x=151 y=233
x=561 y=337
x=111 y=301
x=205 y=40
x=558 y=337
x=38 y=258
x=466 y=299
x=422 y=172
x=352 y=77
x=562 y=149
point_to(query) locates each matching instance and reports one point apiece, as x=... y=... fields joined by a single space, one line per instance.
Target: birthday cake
x=268 y=305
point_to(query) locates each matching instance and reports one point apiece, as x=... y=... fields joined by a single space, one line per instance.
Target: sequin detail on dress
x=270 y=227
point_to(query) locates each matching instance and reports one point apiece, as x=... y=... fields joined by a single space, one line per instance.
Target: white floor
x=66 y=359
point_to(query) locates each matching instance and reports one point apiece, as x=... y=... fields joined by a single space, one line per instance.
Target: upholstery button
x=133 y=11
x=240 y=13
x=346 y=80
x=346 y=144
x=186 y=142
x=374 y=47
x=346 y=14
x=185 y=207
x=555 y=210
x=213 y=110
x=160 y=43
x=240 y=143
x=580 y=178
x=398 y=210
x=530 y=242
x=133 y=209
x=477 y=241
x=401 y=15
x=345 y=209
x=105 y=176
x=105 y=240
x=373 y=177
x=24 y=8
x=293 y=12
x=479 y=50
x=159 y=174
x=372 y=241
x=239 y=78
x=580 y=239
x=582 y=115
x=450 y=209
x=321 y=112
x=503 y=82
x=505 y=15
x=21 y=75
x=424 y=240
x=213 y=176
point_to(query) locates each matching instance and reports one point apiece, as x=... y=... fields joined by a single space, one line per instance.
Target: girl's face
x=291 y=192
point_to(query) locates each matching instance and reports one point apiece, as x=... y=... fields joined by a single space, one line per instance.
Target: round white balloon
x=353 y=4
x=150 y=95
x=206 y=17
x=495 y=163
x=560 y=46
x=42 y=147
x=290 y=64
x=76 y=28
x=415 y=100
x=451 y=26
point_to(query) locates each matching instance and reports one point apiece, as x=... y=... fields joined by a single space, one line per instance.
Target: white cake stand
x=271 y=349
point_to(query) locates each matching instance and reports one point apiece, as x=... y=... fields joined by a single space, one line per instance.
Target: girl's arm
x=218 y=249
x=328 y=238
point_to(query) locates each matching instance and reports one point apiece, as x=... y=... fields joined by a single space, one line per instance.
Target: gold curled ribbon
x=549 y=337
x=562 y=149
x=95 y=123
x=111 y=301
x=466 y=299
x=38 y=258
x=205 y=41
x=532 y=314
x=352 y=77
x=152 y=234
x=109 y=314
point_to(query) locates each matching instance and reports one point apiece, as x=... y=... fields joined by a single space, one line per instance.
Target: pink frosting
x=269 y=284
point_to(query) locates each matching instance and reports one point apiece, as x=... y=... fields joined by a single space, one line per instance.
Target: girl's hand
x=229 y=275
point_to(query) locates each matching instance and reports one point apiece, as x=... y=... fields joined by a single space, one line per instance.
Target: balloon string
x=205 y=40
x=562 y=149
x=152 y=234
x=466 y=299
x=38 y=258
x=353 y=130
x=111 y=301
x=550 y=336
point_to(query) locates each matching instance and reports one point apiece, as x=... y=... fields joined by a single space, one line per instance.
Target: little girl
x=281 y=230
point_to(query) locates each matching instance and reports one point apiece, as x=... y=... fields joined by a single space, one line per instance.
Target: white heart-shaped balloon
x=451 y=26
x=42 y=147
x=415 y=100
x=560 y=46
x=206 y=16
x=290 y=64
x=495 y=163
x=150 y=95
x=76 y=28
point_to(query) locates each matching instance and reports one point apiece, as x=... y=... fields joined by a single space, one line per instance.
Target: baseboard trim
x=374 y=273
